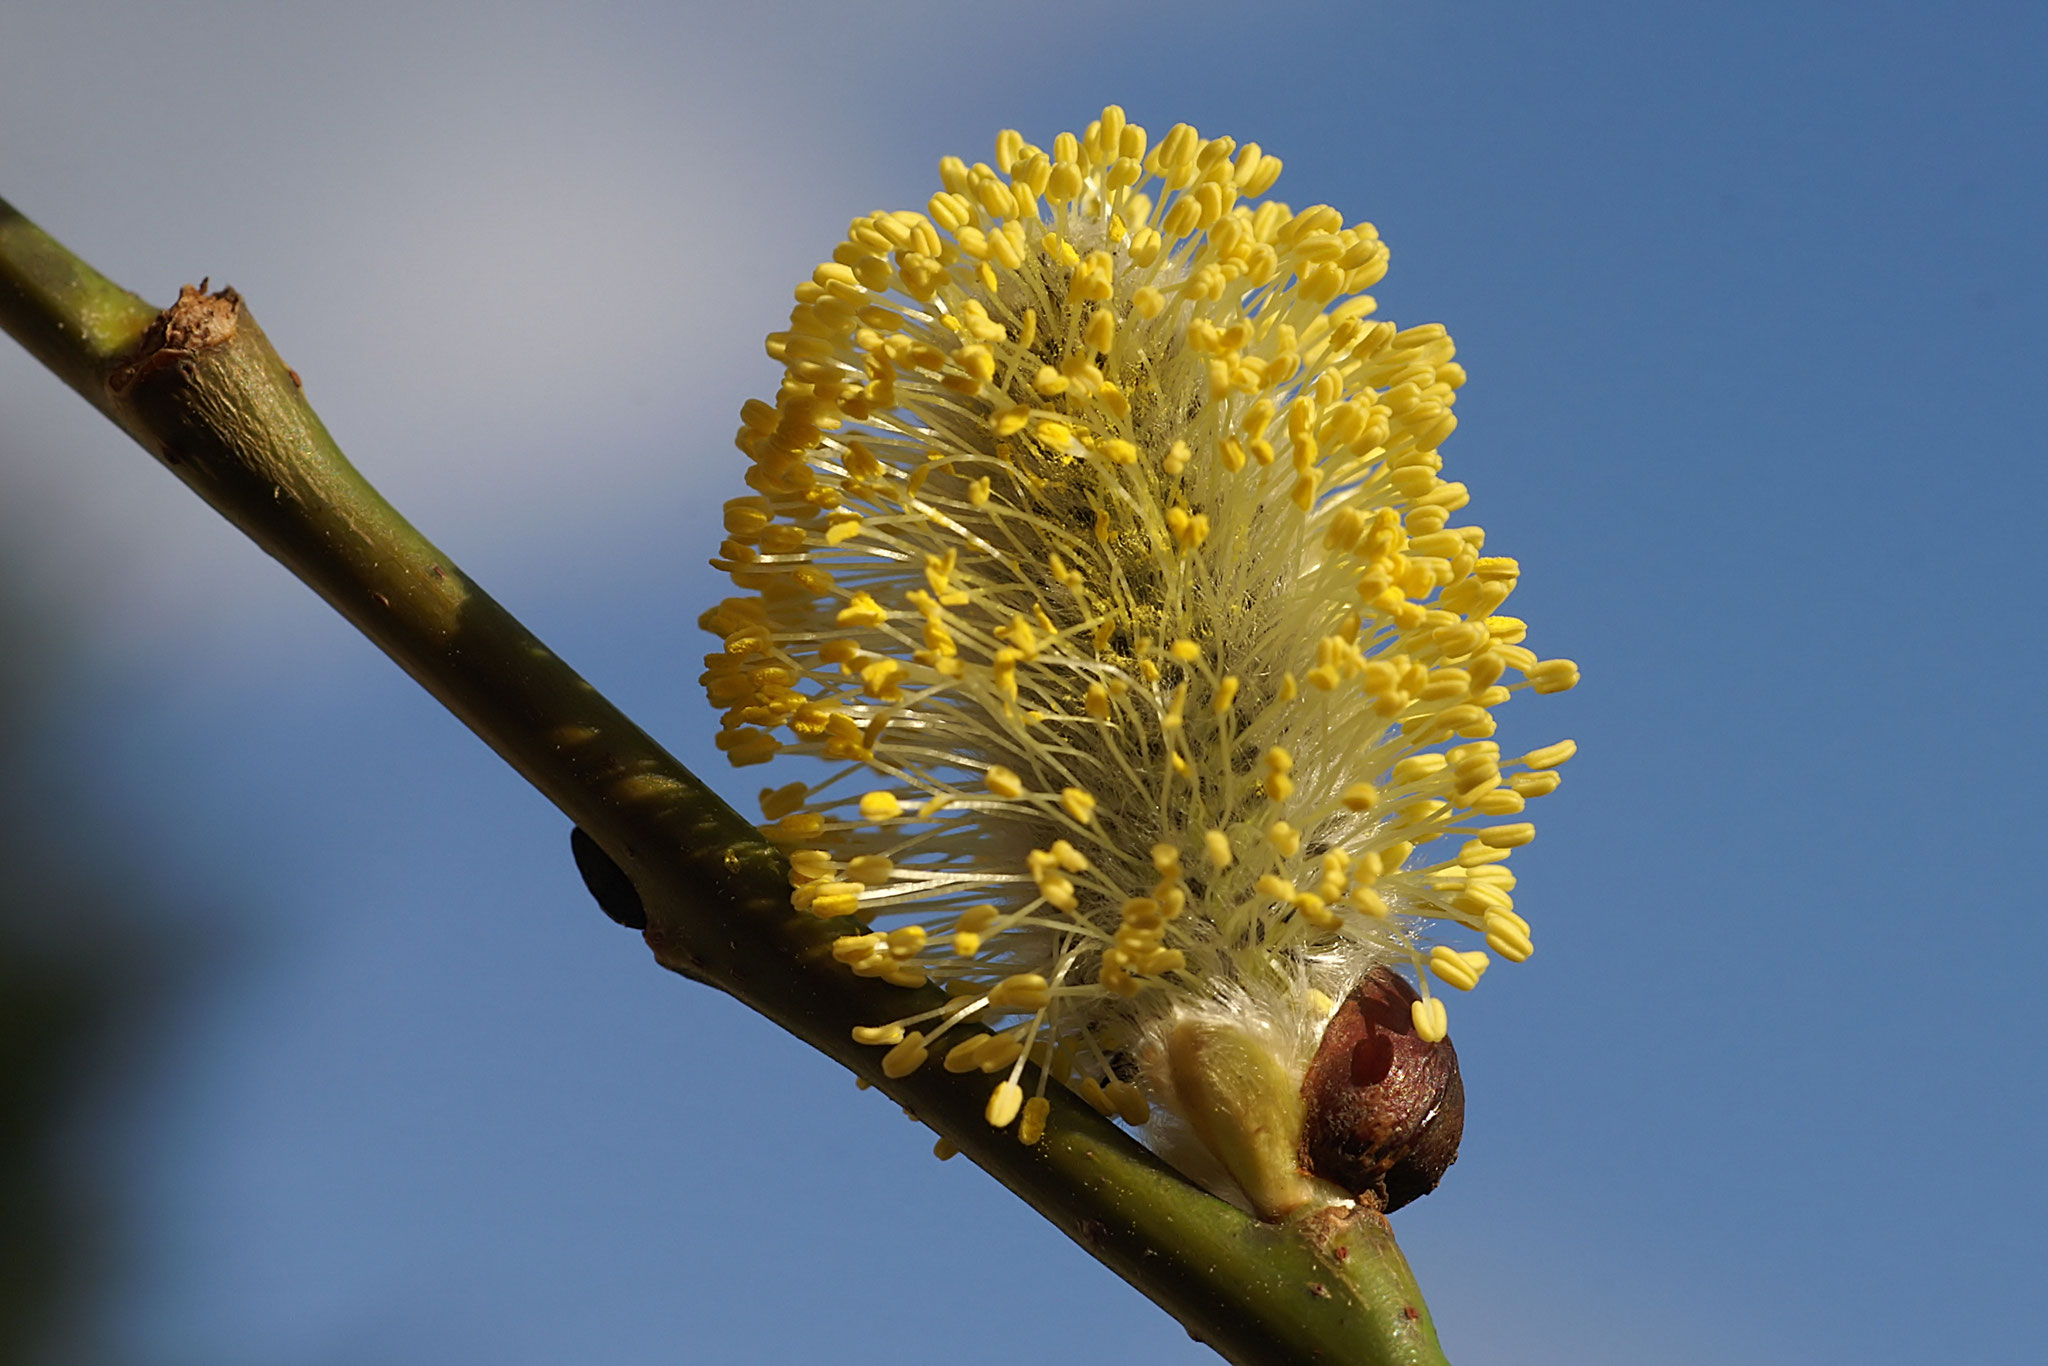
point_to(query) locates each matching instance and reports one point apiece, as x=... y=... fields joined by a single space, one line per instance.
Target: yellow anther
x=1474 y=763
x=1550 y=756
x=1177 y=457
x=965 y=1056
x=977 y=361
x=1186 y=651
x=1312 y=909
x=1552 y=675
x=906 y=1057
x=1021 y=991
x=1284 y=838
x=1068 y=857
x=840 y=652
x=1460 y=970
x=1277 y=887
x=1003 y=783
x=881 y=679
x=860 y=610
x=1129 y=1102
x=1508 y=633
x=1279 y=763
x=1009 y=146
x=1002 y=1050
x=1006 y=248
x=829 y=899
x=809 y=865
x=1508 y=836
x=1101 y=333
x=906 y=942
x=975 y=919
x=1226 y=695
x=1094 y=277
x=1336 y=870
x=1417 y=815
x=1078 y=803
x=1020 y=634
x=1032 y=1127
x=878 y=1034
x=1415 y=768
x=1473 y=897
x=1432 y=1024
x=746 y=517
x=880 y=806
x=1216 y=845
x=1501 y=801
x=852 y=948
x=1507 y=934
x=1056 y=435
x=1360 y=796
x=1141 y=912
x=995 y=198
x=777 y=802
x=798 y=825
x=1368 y=900
x=1475 y=853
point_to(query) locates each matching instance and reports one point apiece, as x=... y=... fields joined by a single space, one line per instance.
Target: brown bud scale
x=1384 y=1110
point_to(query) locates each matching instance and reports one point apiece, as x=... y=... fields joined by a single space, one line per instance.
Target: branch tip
x=197 y=321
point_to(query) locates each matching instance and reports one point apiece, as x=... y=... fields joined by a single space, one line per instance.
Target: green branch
x=201 y=389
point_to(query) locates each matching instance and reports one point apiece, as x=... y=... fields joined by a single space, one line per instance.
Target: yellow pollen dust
x=1098 y=534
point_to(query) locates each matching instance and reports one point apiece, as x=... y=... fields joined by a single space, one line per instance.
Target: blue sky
x=1748 y=296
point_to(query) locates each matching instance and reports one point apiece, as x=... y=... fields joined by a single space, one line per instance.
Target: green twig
x=200 y=388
